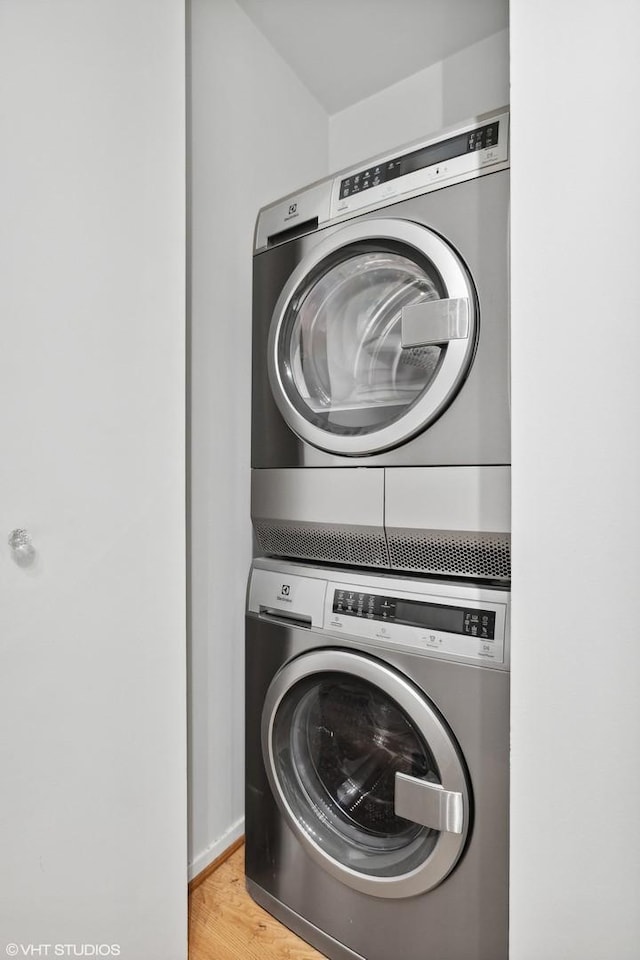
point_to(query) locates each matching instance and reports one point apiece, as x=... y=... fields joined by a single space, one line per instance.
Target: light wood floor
x=225 y=923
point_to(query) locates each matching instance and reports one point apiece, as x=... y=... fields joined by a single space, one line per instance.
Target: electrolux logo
x=285 y=590
x=293 y=211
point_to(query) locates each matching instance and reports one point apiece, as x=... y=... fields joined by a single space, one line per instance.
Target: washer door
x=372 y=337
x=365 y=772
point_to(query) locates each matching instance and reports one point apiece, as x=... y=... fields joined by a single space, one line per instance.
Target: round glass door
x=371 y=337
x=361 y=765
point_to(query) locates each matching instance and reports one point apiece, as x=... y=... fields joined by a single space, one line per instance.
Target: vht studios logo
x=94 y=950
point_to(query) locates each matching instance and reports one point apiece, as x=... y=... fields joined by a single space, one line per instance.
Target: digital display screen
x=429 y=615
x=437 y=153
x=434 y=153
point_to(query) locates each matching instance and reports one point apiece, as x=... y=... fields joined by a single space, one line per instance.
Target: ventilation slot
x=451 y=553
x=360 y=546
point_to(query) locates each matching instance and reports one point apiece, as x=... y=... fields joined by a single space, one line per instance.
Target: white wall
x=575 y=852
x=470 y=82
x=92 y=638
x=257 y=133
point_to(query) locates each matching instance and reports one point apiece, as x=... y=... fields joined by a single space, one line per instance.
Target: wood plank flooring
x=225 y=923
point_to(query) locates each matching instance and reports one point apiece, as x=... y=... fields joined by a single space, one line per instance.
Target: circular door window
x=371 y=337
x=365 y=773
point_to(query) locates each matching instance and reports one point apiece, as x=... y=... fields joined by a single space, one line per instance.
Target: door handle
x=295 y=619
x=432 y=322
x=429 y=804
x=22 y=549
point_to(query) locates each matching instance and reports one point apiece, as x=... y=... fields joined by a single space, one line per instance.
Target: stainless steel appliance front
x=380 y=341
x=377 y=761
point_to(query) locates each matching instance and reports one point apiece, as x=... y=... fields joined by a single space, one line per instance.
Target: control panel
x=467 y=150
x=468 y=630
x=422 y=168
x=416 y=613
x=449 y=620
x=478 y=139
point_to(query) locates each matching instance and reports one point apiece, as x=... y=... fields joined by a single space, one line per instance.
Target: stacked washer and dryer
x=377 y=629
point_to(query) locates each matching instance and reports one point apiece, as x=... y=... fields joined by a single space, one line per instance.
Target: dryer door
x=366 y=773
x=372 y=337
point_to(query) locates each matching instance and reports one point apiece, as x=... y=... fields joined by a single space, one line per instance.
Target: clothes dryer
x=380 y=341
x=377 y=757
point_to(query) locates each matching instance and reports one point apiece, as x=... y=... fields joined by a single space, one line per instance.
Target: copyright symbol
x=12 y=949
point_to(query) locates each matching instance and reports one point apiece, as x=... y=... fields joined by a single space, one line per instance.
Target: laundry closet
x=304 y=147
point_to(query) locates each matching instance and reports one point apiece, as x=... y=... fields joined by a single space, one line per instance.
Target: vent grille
x=360 y=546
x=461 y=554
x=444 y=552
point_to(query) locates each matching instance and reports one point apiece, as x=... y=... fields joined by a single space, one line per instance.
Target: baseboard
x=207 y=861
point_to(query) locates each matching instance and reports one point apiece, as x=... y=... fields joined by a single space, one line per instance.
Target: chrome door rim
x=452 y=370
x=449 y=846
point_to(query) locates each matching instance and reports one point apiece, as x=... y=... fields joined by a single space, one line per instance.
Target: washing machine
x=380 y=410
x=377 y=757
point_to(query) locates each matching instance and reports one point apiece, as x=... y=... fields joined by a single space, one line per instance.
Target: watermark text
x=95 y=950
